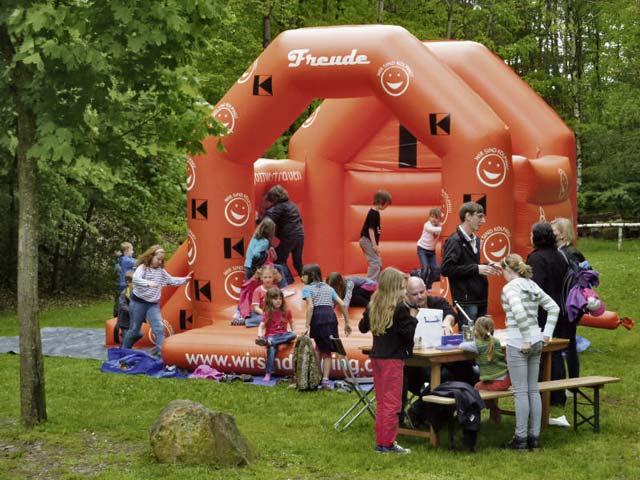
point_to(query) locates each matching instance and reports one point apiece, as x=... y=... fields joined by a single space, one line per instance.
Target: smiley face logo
x=543 y=216
x=395 y=80
x=307 y=123
x=445 y=205
x=186 y=291
x=237 y=209
x=492 y=169
x=564 y=184
x=233 y=283
x=443 y=287
x=191 y=173
x=249 y=73
x=192 y=248
x=168 y=331
x=226 y=115
x=496 y=246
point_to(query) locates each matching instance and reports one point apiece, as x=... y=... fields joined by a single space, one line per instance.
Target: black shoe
x=517 y=443
x=533 y=443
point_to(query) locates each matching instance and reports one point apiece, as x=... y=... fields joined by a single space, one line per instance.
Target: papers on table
x=429 y=329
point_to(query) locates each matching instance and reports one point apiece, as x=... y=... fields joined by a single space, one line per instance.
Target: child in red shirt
x=274 y=327
x=269 y=277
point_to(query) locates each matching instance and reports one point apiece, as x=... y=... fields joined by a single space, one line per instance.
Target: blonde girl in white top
x=520 y=299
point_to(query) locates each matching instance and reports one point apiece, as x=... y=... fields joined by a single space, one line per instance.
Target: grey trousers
x=523 y=370
x=374 y=260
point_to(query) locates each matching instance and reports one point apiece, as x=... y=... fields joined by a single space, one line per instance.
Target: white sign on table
x=429 y=329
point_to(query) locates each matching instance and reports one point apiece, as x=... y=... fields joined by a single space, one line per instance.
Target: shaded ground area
x=84 y=455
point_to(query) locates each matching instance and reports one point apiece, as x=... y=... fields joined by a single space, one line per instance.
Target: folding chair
x=366 y=398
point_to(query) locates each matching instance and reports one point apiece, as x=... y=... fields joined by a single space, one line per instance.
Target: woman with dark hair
x=549 y=268
x=289 y=231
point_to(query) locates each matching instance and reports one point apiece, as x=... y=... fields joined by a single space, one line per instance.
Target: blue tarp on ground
x=64 y=342
x=133 y=362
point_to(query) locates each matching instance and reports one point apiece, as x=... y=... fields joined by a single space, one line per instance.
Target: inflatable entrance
x=435 y=124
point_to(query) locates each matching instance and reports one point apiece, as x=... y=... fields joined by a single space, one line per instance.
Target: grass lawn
x=98 y=423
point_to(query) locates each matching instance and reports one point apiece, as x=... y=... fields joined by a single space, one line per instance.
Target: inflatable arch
x=435 y=124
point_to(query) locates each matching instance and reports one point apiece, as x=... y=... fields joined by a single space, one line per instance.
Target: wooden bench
x=577 y=385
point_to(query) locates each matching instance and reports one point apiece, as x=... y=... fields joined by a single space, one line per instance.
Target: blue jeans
x=272 y=348
x=472 y=311
x=137 y=313
x=523 y=370
x=253 y=320
x=428 y=266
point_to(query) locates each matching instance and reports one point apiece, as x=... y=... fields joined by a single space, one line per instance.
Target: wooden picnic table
x=434 y=359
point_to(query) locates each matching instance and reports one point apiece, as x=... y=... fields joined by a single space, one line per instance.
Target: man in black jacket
x=461 y=264
x=415 y=377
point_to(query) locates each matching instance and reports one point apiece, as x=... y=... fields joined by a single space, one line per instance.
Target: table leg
x=436 y=377
x=546 y=396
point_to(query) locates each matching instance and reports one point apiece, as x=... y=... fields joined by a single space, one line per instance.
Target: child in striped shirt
x=148 y=280
x=520 y=299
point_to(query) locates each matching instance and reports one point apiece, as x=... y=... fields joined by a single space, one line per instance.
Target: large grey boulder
x=188 y=432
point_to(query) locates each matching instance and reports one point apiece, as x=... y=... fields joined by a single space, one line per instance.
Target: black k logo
x=262 y=85
x=199 y=209
x=440 y=123
x=203 y=290
x=233 y=247
x=184 y=319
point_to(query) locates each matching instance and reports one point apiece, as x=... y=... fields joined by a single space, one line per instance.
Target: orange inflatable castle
x=435 y=124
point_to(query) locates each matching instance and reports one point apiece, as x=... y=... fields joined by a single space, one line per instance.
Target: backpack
x=305 y=364
x=568 y=282
x=577 y=294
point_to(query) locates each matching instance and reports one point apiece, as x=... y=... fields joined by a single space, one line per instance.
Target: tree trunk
x=74 y=260
x=450 y=6
x=32 y=394
x=380 y=11
x=266 y=27
x=574 y=49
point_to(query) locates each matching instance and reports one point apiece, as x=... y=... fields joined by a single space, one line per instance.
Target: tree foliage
x=120 y=90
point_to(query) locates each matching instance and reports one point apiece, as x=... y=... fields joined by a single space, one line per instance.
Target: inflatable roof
x=434 y=123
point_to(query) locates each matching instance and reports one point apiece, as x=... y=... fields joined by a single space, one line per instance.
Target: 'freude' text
x=299 y=56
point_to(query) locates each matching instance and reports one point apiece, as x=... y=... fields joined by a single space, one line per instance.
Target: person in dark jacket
x=564 y=239
x=415 y=377
x=123 y=307
x=461 y=264
x=389 y=320
x=289 y=230
x=468 y=407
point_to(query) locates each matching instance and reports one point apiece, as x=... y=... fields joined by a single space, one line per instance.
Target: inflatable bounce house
x=434 y=123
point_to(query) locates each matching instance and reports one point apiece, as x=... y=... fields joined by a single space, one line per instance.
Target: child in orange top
x=272 y=330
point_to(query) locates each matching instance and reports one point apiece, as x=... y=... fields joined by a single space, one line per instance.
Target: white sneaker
x=395 y=448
